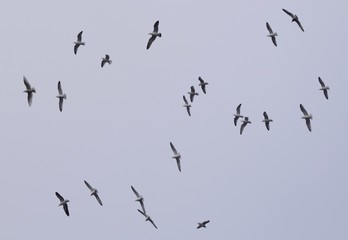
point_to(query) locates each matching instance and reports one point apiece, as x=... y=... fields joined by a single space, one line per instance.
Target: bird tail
x=311 y=116
x=110 y=61
x=160 y=35
x=64 y=96
x=34 y=90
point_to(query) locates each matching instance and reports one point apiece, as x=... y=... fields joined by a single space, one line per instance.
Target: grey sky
x=117 y=122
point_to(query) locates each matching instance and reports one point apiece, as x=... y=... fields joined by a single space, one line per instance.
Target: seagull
x=94 y=192
x=30 y=90
x=153 y=34
x=294 y=18
x=106 y=60
x=266 y=120
x=200 y=225
x=148 y=218
x=272 y=34
x=177 y=156
x=139 y=199
x=63 y=202
x=244 y=123
x=237 y=115
x=202 y=84
x=324 y=88
x=192 y=93
x=187 y=105
x=61 y=96
x=78 y=42
x=306 y=116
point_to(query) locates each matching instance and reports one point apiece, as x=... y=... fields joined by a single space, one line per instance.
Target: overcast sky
x=117 y=122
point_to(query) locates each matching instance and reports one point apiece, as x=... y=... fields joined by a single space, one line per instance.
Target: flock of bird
x=192 y=94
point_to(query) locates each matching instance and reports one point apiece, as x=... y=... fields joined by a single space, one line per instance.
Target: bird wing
x=142 y=213
x=89 y=186
x=102 y=63
x=178 y=163
x=155 y=26
x=238 y=109
x=79 y=36
x=321 y=82
x=289 y=13
x=299 y=24
x=75 y=48
x=153 y=223
x=135 y=191
x=98 y=199
x=201 y=80
x=173 y=148
x=143 y=206
x=242 y=127
x=191 y=97
x=205 y=222
x=326 y=94
x=267 y=125
x=60 y=197
x=269 y=28
x=26 y=83
x=185 y=100
x=30 y=98
x=60 y=88
x=303 y=110
x=107 y=57
x=265 y=115
x=188 y=111
x=308 y=123
x=66 y=210
x=61 y=100
x=235 y=121
x=203 y=88
x=152 y=38
x=274 y=40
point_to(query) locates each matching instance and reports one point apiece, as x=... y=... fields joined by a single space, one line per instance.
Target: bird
x=30 y=90
x=153 y=34
x=237 y=115
x=148 y=218
x=202 y=84
x=324 y=88
x=245 y=121
x=61 y=96
x=294 y=18
x=94 y=192
x=139 y=199
x=192 y=93
x=78 y=42
x=202 y=224
x=176 y=156
x=307 y=117
x=106 y=60
x=63 y=202
x=266 y=120
x=187 y=105
x=271 y=34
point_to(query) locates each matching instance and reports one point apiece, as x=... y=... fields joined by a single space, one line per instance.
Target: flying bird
x=63 y=202
x=324 y=88
x=106 y=60
x=237 y=115
x=94 y=192
x=153 y=34
x=271 y=34
x=202 y=84
x=192 y=93
x=61 y=96
x=139 y=199
x=266 y=120
x=176 y=156
x=30 y=90
x=202 y=224
x=187 y=105
x=294 y=18
x=307 y=117
x=245 y=121
x=78 y=42
x=147 y=218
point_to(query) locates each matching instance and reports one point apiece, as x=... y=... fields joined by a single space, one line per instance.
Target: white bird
x=202 y=224
x=192 y=93
x=30 y=90
x=294 y=18
x=61 y=96
x=187 y=105
x=147 y=218
x=78 y=42
x=271 y=34
x=266 y=120
x=153 y=34
x=177 y=156
x=245 y=121
x=106 y=60
x=237 y=115
x=324 y=88
x=139 y=199
x=202 y=84
x=63 y=202
x=94 y=192
x=307 y=117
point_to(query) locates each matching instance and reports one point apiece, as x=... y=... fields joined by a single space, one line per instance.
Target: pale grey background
x=118 y=121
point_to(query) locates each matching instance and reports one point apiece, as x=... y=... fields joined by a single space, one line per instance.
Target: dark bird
x=271 y=34
x=63 y=202
x=307 y=117
x=245 y=121
x=30 y=90
x=139 y=199
x=192 y=93
x=94 y=192
x=78 y=42
x=187 y=105
x=324 y=88
x=237 y=115
x=202 y=224
x=176 y=156
x=147 y=218
x=294 y=18
x=153 y=34
x=61 y=96
x=202 y=84
x=106 y=60
x=266 y=120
